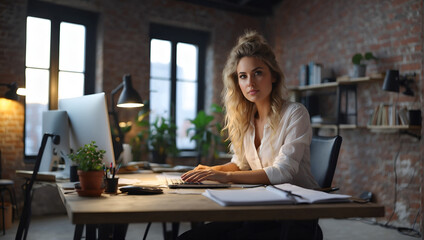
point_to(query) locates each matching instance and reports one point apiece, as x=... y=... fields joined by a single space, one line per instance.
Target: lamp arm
x=118 y=148
x=112 y=94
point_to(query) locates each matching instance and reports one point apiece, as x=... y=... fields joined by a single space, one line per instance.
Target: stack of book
x=389 y=115
x=310 y=74
x=273 y=194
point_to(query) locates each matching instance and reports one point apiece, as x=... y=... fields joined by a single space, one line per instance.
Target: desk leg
x=90 y=232
x=112 y=231
x=175 y=229
x=173 y=234
x=120 y=231
x=79 y=228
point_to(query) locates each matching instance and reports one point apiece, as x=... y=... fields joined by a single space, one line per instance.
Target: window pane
x=160 y=94
x=187 y=61
x=72 y=47
x=38 y=42
x=160 y=59
x=37 y=87
x=71 y=85
x=185 y=110
x=186 y=92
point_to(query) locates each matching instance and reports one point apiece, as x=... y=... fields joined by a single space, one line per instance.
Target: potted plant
x=161 y=139
x=138 y=143
x=359 y=67
x=204 y=135
x=90 y=169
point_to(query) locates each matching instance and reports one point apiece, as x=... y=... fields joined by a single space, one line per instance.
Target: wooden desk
x=187 y=208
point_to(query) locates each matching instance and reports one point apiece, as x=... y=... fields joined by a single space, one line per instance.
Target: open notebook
x=273 y=194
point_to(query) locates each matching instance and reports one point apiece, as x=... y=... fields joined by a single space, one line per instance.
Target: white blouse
x=285 y=158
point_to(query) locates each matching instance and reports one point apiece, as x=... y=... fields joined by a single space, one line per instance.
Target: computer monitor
x=89 y=121
x=55 y=157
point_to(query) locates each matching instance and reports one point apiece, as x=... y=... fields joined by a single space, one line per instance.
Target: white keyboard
x=179 y=183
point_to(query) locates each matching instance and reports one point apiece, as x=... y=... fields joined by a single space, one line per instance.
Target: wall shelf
x=343 y=87
x=414 y=131
x=334 y=126
x=341 y=81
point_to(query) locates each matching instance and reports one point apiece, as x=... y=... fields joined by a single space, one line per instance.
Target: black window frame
x=183 y=35
x=57 y=14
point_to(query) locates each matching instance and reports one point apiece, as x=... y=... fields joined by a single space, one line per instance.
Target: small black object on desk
x=137 y=190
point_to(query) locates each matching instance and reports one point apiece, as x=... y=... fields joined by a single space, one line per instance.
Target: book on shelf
x=389 y=115
x=273 y=195
x=314 y=70
x=304 y=75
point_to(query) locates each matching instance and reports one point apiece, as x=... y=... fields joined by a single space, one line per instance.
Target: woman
x=270 y=136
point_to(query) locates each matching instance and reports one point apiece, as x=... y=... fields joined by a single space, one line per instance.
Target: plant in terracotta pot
x=90 y=169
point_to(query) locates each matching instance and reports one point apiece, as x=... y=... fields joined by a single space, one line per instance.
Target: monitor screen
x=89 y=121
x=55 y=157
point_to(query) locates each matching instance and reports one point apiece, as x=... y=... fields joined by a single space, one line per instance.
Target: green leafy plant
x=358 y=57
x=88 y=157
x=161 y=138
x=203 y=133
x=157 y=137
x=138 y=142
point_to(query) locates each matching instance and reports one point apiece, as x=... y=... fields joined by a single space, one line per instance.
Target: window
x=177 y=63
x=59 y=63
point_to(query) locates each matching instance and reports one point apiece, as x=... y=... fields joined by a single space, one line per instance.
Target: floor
x=58 y=227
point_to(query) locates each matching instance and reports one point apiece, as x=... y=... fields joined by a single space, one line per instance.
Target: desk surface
x=169 y=207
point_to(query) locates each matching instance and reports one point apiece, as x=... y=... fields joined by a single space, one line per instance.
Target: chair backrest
x=324 y=155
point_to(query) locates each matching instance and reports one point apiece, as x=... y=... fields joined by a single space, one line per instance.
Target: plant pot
x=91 y=183
x=359 y=70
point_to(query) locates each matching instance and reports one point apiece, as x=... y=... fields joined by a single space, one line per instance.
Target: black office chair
x=324 y=155
x=26 y=212
x=9 y=186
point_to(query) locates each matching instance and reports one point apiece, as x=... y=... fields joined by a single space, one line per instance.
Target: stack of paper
x=273 y=194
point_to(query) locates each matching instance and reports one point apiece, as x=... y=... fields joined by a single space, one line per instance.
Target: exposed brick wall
x=12 y=63
x=122 y=47
x=331 y=32
x=11 y=135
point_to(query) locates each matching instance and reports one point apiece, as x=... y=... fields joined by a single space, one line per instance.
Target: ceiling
x=248 y=7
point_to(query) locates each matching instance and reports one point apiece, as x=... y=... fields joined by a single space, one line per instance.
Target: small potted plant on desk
x=90 y=169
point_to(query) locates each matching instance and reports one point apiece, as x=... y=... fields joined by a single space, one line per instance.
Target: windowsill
x=186 y=154
x=193 y=154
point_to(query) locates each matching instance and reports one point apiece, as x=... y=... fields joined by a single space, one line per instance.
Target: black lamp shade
x=11 y=93
x=129 y=96
x=391 y=81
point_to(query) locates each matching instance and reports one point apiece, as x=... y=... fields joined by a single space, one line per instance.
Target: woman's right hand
x=202 y=172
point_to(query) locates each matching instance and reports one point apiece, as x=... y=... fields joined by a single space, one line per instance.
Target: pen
x=105 y=171
x=289 y=193
x=117 y=169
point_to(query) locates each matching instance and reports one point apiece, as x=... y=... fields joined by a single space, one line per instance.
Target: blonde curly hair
x=238 y=108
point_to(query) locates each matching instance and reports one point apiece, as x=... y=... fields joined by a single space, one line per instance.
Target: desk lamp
x=392 y=81
x=13 y=91
x=129 y=98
